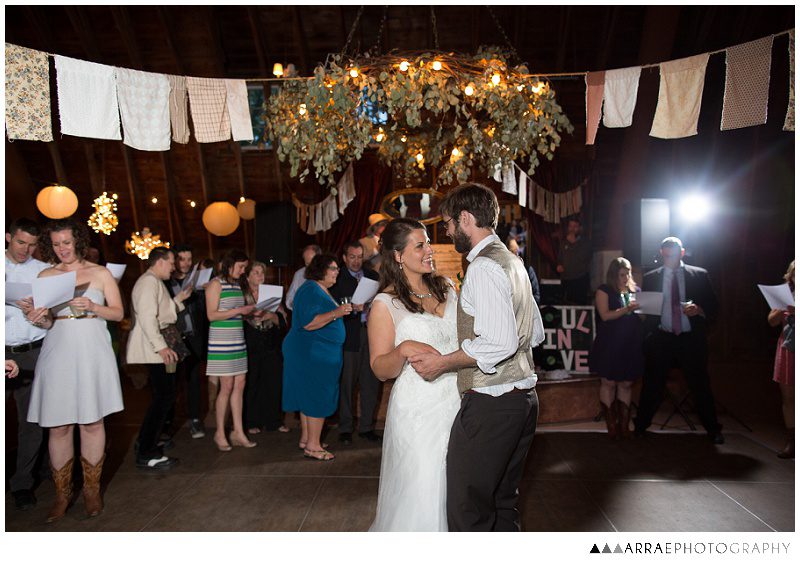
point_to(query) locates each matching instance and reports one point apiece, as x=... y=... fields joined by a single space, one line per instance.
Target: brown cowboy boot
x=91 y=487
x=63 y=481
x=624 y=413
x=611 y=419
x=788 y=450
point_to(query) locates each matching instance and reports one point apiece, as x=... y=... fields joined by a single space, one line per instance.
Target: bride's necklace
x=422 y=295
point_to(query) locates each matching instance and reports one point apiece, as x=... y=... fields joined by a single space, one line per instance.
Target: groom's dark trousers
x=489 y=441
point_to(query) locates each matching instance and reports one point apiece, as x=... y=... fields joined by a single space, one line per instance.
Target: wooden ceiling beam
x=259 y=39
x=97 y=181
x=561 y=58
x=205 y=184
x=172 y=197
x=612 y=16
x=123 y=21
x=169 y=35
x=78 y=19
x=39 y=23
x=301 y=40
x=134 y=191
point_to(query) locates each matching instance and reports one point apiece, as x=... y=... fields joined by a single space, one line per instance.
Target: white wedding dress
x=412 y=491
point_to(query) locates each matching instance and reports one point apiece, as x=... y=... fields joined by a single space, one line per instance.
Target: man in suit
x=355 y=364
x=678 y=335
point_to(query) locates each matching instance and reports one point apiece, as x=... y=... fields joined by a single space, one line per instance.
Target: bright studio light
x=695 y=208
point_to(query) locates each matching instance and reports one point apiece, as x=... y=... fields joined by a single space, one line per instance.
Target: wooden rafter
x=78 y=19
x=43 y=31
x=612 y=15
x=172 y=197
x=300 y=39
x=259 y=39
x=96 y=180
x=169 y=36
x=123 y=20
x=561 y=57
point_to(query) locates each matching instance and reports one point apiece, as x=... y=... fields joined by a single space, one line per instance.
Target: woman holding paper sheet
x=616 y=354
x=227 y=352
x=76 y=379
x=784 y=364
x=263 y=334
x=312 y=354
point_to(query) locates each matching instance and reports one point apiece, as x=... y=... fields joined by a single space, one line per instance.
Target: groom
x=498 y=324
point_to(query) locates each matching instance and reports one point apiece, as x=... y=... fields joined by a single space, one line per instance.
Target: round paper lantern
x=247 y=209
x=56 y=202
x=220 y=218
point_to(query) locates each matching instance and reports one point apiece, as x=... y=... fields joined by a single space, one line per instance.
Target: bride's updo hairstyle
x=394 y=239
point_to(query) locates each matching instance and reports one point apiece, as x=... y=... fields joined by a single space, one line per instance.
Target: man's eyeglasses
x=445 y=222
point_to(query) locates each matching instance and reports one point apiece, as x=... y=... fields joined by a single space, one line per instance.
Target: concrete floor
x=576 y=480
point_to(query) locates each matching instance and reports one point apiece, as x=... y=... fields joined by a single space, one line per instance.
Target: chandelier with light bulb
x=141 y=244
x=104 y=218
x=456 y=113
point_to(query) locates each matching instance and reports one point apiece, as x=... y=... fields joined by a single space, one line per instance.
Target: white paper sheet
x=203 y=278
x=649 y=302
x=269 y=297
x=365 y=291
x=778 y=296
x=188 y=279
x=16 y=291
x=54 y=290
x=116 y=270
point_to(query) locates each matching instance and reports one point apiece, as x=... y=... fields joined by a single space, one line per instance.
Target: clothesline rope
x=573 y=74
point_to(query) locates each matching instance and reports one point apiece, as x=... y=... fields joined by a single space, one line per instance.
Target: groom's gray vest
x=520 y=364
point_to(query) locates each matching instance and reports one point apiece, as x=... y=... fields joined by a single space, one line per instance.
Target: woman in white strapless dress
x=76 y=379
x=416 y=313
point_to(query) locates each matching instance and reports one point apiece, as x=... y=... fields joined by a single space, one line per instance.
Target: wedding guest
x=23 y=345
x=299 y=277
x=371 y=241
x=263 y=335
x=678 y=335
x=193 y=325
x=574 y=261
x=149 y=344
x=513 y=247
x=784 y=365
x=356 y=371
x=12 y=369
x=227 y=352
x=76 y=379
x=312 y=353
x=616 y=354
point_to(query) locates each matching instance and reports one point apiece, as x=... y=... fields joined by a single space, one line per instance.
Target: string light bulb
x=520 y=88
x=141 y=244
x=192 y=204
x=403 y=139
x=404 y=66
x=420 y=156
x=302 y=110
x=437 y=65
x=354 y=72
x=537 y=88
x=469 y=90
x=496 y=79
x=154 y=200
x=380 y=135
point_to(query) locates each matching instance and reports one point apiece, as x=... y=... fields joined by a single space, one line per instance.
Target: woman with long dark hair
x=227 y=352
x=414 y=313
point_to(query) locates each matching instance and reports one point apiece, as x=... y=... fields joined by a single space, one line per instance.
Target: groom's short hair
x=474 y=198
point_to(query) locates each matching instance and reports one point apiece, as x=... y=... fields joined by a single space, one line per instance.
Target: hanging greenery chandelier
x=458 y=114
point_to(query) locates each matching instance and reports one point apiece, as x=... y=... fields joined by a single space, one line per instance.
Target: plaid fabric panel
x=208 y=104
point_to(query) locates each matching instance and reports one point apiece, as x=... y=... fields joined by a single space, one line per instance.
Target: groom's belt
x=512 y=391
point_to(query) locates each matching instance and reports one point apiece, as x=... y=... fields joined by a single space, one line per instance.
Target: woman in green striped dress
x=227 y=353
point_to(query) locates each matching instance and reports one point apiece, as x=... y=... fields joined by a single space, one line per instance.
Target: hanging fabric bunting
x=523 y=189
x=239 y=110
x=594 y=103
x=747 y=69
x=207 y=101
x=680 y=94
x=346 y=188
x=178 y=109
x=788 y=123
x=27 y=94
x=144 y=109
x=509 y=180
x=619 y=96
x=87 y=99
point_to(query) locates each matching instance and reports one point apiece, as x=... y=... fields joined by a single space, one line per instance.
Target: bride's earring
x=401 y=266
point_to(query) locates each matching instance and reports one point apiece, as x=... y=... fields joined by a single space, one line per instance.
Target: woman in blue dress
x=616 y=354
x=312 y=354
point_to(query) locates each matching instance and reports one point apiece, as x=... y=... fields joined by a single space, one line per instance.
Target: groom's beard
x=461 y=241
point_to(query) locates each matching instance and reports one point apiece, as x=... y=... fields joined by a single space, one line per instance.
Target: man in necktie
x=355 y=362
x=678 y=337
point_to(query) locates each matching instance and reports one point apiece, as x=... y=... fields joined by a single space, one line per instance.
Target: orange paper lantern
x=56 y=202
x=220 y=218
x=247 y=209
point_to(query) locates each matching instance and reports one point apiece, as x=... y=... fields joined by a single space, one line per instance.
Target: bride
x=416 y=312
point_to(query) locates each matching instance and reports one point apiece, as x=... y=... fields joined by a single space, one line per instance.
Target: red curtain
x=373 y=180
